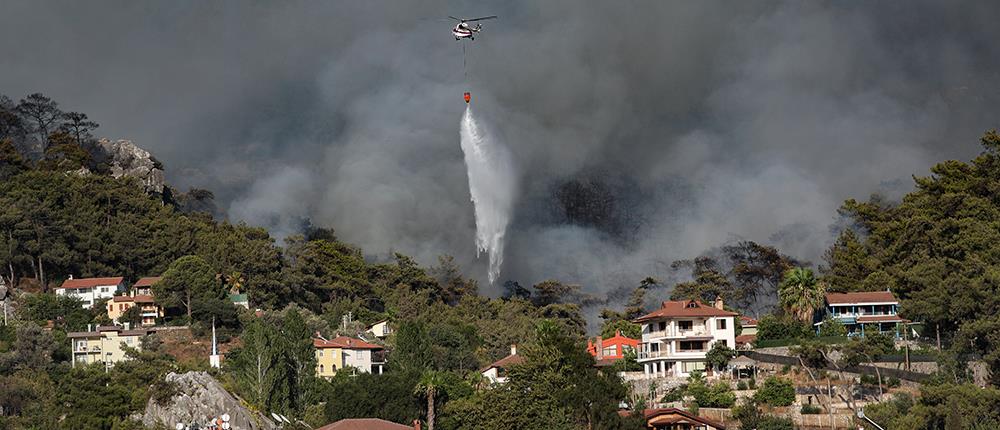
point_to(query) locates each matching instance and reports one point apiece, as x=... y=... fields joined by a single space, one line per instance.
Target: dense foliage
x=936 y=249
x=776 y=391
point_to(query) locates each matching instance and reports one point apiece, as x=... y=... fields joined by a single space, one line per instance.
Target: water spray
x=492 y=181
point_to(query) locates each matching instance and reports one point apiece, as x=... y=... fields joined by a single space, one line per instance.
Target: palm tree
x=430 y=386
x=800 y=294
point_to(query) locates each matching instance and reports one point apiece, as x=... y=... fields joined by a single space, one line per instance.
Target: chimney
x=128 y=326
x=416 y=424
x=600 y=347
x=618 y=333
x=513 y=349
x=719 y=304
x=70 y=276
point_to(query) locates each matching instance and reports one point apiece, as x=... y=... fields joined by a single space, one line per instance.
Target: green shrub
x=771 y=327
x=832 y=327
x=771 y=422
x=786 y=368
x=752 y=384
x=751 y=417
x=892 y=382
x=776 y=392
x=808 y=409
x=869 y=380
x=741 y=385
x=717 y=395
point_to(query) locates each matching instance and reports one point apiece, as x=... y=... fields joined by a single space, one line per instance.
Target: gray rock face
x=127 y=159
x=199 y=398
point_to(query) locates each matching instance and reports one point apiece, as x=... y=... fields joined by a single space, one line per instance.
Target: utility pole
x=937 y=329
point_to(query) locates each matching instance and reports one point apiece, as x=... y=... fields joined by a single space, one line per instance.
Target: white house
x=90 y=290
x=380 y=329
x=497 y=372
x=676 y=337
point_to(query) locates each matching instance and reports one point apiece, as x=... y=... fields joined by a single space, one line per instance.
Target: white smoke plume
x=492 y=184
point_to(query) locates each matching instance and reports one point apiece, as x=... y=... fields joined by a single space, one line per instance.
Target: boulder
x=198 y=399
x=126 y=159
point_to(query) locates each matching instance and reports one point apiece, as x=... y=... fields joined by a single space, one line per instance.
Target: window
x=692 y=345
x=663 y=325
x=654 y=347
x=720 y=324
x=104 y=289
x=321 y=369
x=320 y=352
x=691 y=366
x=611 y=350
x=724 y=342
x=685 y=325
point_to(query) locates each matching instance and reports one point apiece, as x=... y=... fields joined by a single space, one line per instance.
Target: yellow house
x=149 y=311
x=342 y=351
x=106 y=345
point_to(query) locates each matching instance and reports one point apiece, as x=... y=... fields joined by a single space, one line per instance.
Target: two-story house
x=676 y=337
x=141 y=295
x=608 y=351
x=106 y=344
x=91 y=290
x=861 y=311
x=340 y=352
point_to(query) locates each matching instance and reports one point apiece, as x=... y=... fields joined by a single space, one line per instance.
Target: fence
x=861 y=370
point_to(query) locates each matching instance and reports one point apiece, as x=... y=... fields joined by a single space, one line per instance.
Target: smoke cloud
x=645 y=132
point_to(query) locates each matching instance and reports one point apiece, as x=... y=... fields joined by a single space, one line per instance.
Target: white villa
x=90 y=290
x=676 y=337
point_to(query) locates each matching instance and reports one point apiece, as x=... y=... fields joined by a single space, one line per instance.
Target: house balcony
x=85 y=350
x=678 y=334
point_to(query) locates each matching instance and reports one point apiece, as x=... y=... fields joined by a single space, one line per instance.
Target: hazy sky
x=644 y=131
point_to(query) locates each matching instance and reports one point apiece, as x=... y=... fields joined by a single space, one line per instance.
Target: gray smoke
x=645 y=131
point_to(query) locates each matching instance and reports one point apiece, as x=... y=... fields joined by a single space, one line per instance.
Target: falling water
x=491 y=182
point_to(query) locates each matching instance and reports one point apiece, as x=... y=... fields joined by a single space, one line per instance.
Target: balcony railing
x=652 y=354
x=679 y=333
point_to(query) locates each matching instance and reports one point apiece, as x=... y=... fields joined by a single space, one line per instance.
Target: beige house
x=105 y=345
x=380 y=329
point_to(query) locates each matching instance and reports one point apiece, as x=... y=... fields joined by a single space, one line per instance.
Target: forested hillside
x=63 y=214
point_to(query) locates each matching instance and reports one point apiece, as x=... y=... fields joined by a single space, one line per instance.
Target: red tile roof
x=147 y=281
x=746 y=321
x=344 y=342
x=683 y=417
x=868 y=297
x=685 y=308
x=744 y=339
x=134 y=299
x=505 y=363
x=91 y=282
x=364 y=424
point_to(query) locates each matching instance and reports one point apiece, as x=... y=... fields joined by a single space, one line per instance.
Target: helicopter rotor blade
x=481 y=19
x=456 y=19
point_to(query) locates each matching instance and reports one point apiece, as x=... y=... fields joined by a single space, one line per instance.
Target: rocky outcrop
x=198 y=398
x=126 y=159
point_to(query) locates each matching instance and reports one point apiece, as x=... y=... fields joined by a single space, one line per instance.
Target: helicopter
x=464 y=30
